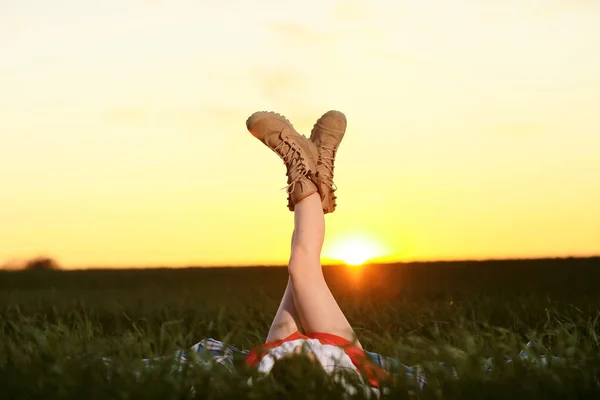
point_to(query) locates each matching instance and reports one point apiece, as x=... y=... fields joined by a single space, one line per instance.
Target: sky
x=473 y=128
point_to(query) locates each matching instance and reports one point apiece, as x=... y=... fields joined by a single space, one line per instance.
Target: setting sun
x=355 y=250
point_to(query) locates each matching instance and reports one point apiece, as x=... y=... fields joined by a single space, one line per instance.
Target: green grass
x=459 y=313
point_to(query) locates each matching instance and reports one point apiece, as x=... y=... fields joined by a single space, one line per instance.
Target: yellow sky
x=474 y=127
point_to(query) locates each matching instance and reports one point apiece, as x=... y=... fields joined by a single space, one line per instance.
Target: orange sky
x=473 y=131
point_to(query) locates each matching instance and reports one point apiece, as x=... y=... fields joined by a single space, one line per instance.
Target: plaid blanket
x=210 y=353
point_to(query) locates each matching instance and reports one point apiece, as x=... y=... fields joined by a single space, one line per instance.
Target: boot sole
x=312 y=132
x=259 y=115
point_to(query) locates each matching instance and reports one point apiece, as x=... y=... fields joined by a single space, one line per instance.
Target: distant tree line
x=35 y=264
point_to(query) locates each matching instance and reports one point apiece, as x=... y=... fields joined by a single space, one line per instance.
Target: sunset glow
x=354 y=250
x=472 y=128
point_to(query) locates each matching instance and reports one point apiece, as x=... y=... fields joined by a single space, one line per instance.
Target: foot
x=327 y=134
x=297 y=152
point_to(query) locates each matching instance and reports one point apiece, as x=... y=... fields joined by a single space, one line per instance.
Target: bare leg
x=286 y=320
x=315 y=304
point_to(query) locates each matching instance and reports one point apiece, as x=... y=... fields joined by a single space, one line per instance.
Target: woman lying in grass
x=326 y=336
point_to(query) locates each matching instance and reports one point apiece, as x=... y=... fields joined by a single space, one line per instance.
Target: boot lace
x=294 y=162
x=327 y=157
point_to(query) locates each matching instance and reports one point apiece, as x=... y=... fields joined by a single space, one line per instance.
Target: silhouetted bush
x=42 y=264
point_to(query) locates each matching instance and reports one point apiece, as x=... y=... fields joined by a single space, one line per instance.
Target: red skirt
x=360 y=360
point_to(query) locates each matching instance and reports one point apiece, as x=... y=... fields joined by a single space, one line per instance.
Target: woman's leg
x=314 y=304
x=317 y=308
x=286 y=321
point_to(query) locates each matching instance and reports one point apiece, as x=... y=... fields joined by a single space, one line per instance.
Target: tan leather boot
x=327 y=134
x=297 y=152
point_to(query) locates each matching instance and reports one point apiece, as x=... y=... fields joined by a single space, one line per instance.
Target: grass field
x=459 y=313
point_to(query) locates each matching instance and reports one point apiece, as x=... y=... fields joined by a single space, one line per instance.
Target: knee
x=303 y=261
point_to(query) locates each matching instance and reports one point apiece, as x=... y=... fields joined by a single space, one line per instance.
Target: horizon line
x=335 y=263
